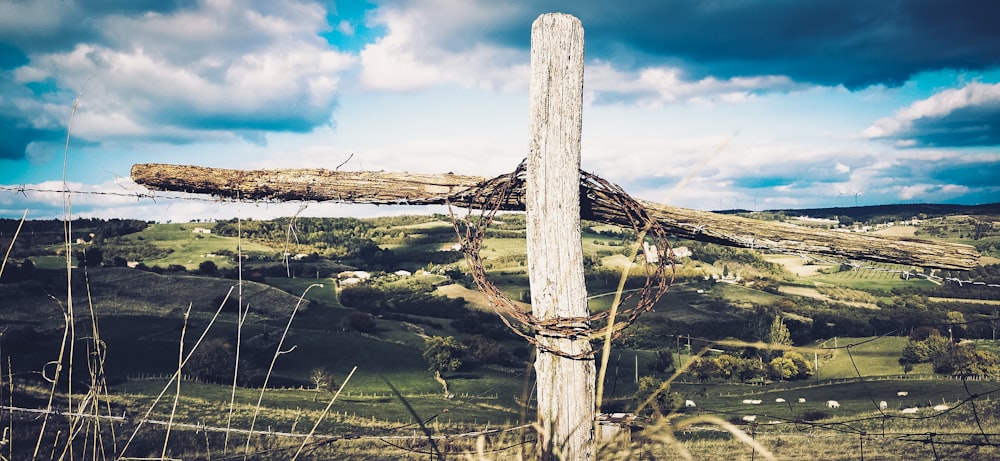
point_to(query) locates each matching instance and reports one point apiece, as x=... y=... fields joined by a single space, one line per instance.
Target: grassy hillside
x=186 y=248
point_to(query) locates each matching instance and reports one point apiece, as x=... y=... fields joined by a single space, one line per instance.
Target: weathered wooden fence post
x=555 y=252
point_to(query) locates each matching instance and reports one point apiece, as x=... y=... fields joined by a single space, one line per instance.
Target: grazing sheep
x=689 y=403
x=779 y=400
x=941 y=407
x=802 y=400
x=750 y=418
x=833 y=404
x=747 y=401
x=883 y=405
x=756 y=402
x=909 y=411
x=902 y=394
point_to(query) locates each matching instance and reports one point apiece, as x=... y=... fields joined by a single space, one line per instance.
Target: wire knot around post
x=657 y=261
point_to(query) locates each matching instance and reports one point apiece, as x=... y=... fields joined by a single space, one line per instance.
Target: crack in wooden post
x=555 y=252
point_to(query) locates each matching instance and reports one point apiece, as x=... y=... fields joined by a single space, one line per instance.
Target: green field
x=881 y=277
x=847 y=357
x=190 y=249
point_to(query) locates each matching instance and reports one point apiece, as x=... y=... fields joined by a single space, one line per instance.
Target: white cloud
x=655 y=87
x=954 y=189
x=42 y=152
x=223 y=63
x=937 y=106
x=913 y=191
x=345 y=27
x=419 y=50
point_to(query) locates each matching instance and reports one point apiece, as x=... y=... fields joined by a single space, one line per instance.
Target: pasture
x=874 y=277
x=189 y=249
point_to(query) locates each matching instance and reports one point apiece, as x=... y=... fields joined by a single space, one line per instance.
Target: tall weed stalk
x=277 y=352
x=176 y=374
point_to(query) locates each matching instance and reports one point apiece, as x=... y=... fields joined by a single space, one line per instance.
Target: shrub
x=486 y=350
x=213 y=361
x=91 y=257
x=663 y=360
x=208 y=268
x=813 y=415
x=358 y=321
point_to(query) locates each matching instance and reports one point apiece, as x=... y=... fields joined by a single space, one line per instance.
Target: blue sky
x=756 y=104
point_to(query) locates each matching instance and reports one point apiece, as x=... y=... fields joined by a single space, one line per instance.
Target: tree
x=91 y=257
x=956 y=324
x=778 y=335
x=208 y=268
x=969 y=361
x=661 y=399
x=663 y=360
x=705 y=369
x=28 y=268
x=782 y=368
x=213 y=361
x=443 y=355
x=804 y=368
x=907 y=366
x=995 y=322
x=748 y=369
x=358 y=321
x=322 y=379
x=727 y=366
x=485 y=350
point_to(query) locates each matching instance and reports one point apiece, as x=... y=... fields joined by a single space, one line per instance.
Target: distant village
x=858 y=226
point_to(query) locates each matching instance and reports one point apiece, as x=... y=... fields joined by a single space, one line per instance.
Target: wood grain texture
x=565 y=386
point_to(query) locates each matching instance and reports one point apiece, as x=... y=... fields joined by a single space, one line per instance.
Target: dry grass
x=474 y=297
x=796 y=265
x=897 y=231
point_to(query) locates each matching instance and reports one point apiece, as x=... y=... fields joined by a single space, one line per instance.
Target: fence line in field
x=269 y=432
x=346 y=393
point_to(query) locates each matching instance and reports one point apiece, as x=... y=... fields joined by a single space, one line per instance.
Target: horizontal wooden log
x=470 y=191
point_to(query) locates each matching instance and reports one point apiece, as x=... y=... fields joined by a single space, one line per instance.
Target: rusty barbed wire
x=495 y=192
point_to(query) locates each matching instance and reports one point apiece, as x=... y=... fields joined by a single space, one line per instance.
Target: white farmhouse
x=682 y=252
x=360 y=275
x=651 y=252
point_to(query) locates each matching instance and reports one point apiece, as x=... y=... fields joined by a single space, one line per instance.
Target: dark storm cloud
x=856 y=43
x=973 y=175
x=15 y=135
x=801 y=173
x=22 y=118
